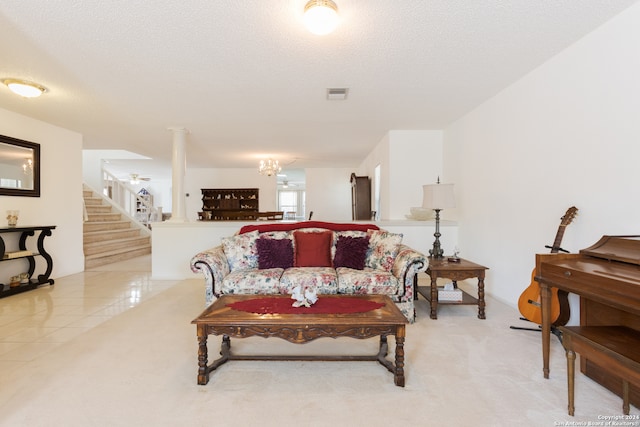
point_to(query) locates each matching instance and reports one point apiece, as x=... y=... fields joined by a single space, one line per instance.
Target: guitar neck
x=558 y=240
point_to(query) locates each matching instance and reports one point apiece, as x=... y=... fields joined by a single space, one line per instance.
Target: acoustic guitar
x=529 y=302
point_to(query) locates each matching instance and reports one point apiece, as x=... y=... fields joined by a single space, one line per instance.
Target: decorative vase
x=12 y=218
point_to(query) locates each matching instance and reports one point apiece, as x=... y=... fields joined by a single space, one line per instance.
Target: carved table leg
x=44 y=278
x=384 y=347
x=399 y=374
x=225 y=348
x=203 y=372
x=481 y=302
x=434 y=297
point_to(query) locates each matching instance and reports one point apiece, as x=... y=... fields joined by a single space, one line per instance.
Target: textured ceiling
x=248 y=81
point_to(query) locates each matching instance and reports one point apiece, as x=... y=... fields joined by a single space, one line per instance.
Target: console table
x=22 y=253
x=455 y=271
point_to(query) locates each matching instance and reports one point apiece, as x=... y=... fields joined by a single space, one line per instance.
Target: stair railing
x=130 y=202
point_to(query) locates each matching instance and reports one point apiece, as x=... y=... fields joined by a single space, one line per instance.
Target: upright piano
x=606 y=276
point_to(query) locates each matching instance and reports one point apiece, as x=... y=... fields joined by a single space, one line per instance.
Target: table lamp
x=437 y=197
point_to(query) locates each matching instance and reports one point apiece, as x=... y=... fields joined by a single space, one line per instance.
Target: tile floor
x=34 y=323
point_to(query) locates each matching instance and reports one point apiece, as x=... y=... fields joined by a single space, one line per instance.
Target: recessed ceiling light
x=25 y=88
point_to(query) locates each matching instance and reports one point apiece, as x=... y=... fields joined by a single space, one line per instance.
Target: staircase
x=110 y=236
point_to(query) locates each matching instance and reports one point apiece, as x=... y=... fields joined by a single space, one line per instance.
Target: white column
x=178 y=165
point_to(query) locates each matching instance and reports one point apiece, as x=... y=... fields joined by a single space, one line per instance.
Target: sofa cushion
x=322 y=279
x=241 y=251
x=274 y=253
x=351 y=252
x=312 y=249
x=383 y=249
x=367 y=281
x=277 y=235
x=253 y=281
x=350 y=233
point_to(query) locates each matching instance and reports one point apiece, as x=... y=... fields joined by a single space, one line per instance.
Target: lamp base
x=437 y=251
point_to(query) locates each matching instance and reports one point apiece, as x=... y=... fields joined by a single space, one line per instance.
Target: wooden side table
x=455 y=271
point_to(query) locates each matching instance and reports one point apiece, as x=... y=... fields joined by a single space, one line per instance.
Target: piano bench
x=614 y=348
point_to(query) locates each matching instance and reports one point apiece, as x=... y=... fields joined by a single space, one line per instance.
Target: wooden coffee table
x=218 y=319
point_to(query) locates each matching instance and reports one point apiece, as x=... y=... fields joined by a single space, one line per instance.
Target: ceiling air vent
x=337 y=94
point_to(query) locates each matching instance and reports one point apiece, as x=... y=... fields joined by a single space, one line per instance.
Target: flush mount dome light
x=25 y=88
x=321 y=16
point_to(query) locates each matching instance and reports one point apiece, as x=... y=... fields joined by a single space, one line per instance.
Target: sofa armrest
x=407 y=264
x=213 y=264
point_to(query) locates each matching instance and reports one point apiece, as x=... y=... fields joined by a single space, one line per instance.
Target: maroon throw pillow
x=274 y=253
x=351 y=252
x=313 y=249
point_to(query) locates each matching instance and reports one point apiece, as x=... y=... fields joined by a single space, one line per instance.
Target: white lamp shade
x=438 y=196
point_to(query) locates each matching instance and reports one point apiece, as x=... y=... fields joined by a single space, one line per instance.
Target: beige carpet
x=137 y=367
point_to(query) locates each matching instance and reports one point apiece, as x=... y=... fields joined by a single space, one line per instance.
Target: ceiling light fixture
x=269 y=167
x=321 y=16
x=25 y=88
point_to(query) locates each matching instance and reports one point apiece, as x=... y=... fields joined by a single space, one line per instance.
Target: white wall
x=415 y=159
x=328 y=193
x=380 y=155
x=174 y=244
x=566 y=134
x=408 y=159
x=60 y=201
x=92 y=163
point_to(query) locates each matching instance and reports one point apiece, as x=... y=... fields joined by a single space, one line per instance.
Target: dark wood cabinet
x=360 y=197
x=225 y=204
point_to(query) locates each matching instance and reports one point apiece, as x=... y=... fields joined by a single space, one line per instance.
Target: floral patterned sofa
x=330 y=258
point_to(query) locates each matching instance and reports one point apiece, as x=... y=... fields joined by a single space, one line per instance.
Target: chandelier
x=269 y=167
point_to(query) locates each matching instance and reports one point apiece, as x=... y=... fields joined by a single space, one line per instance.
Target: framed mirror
x=19 y=167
